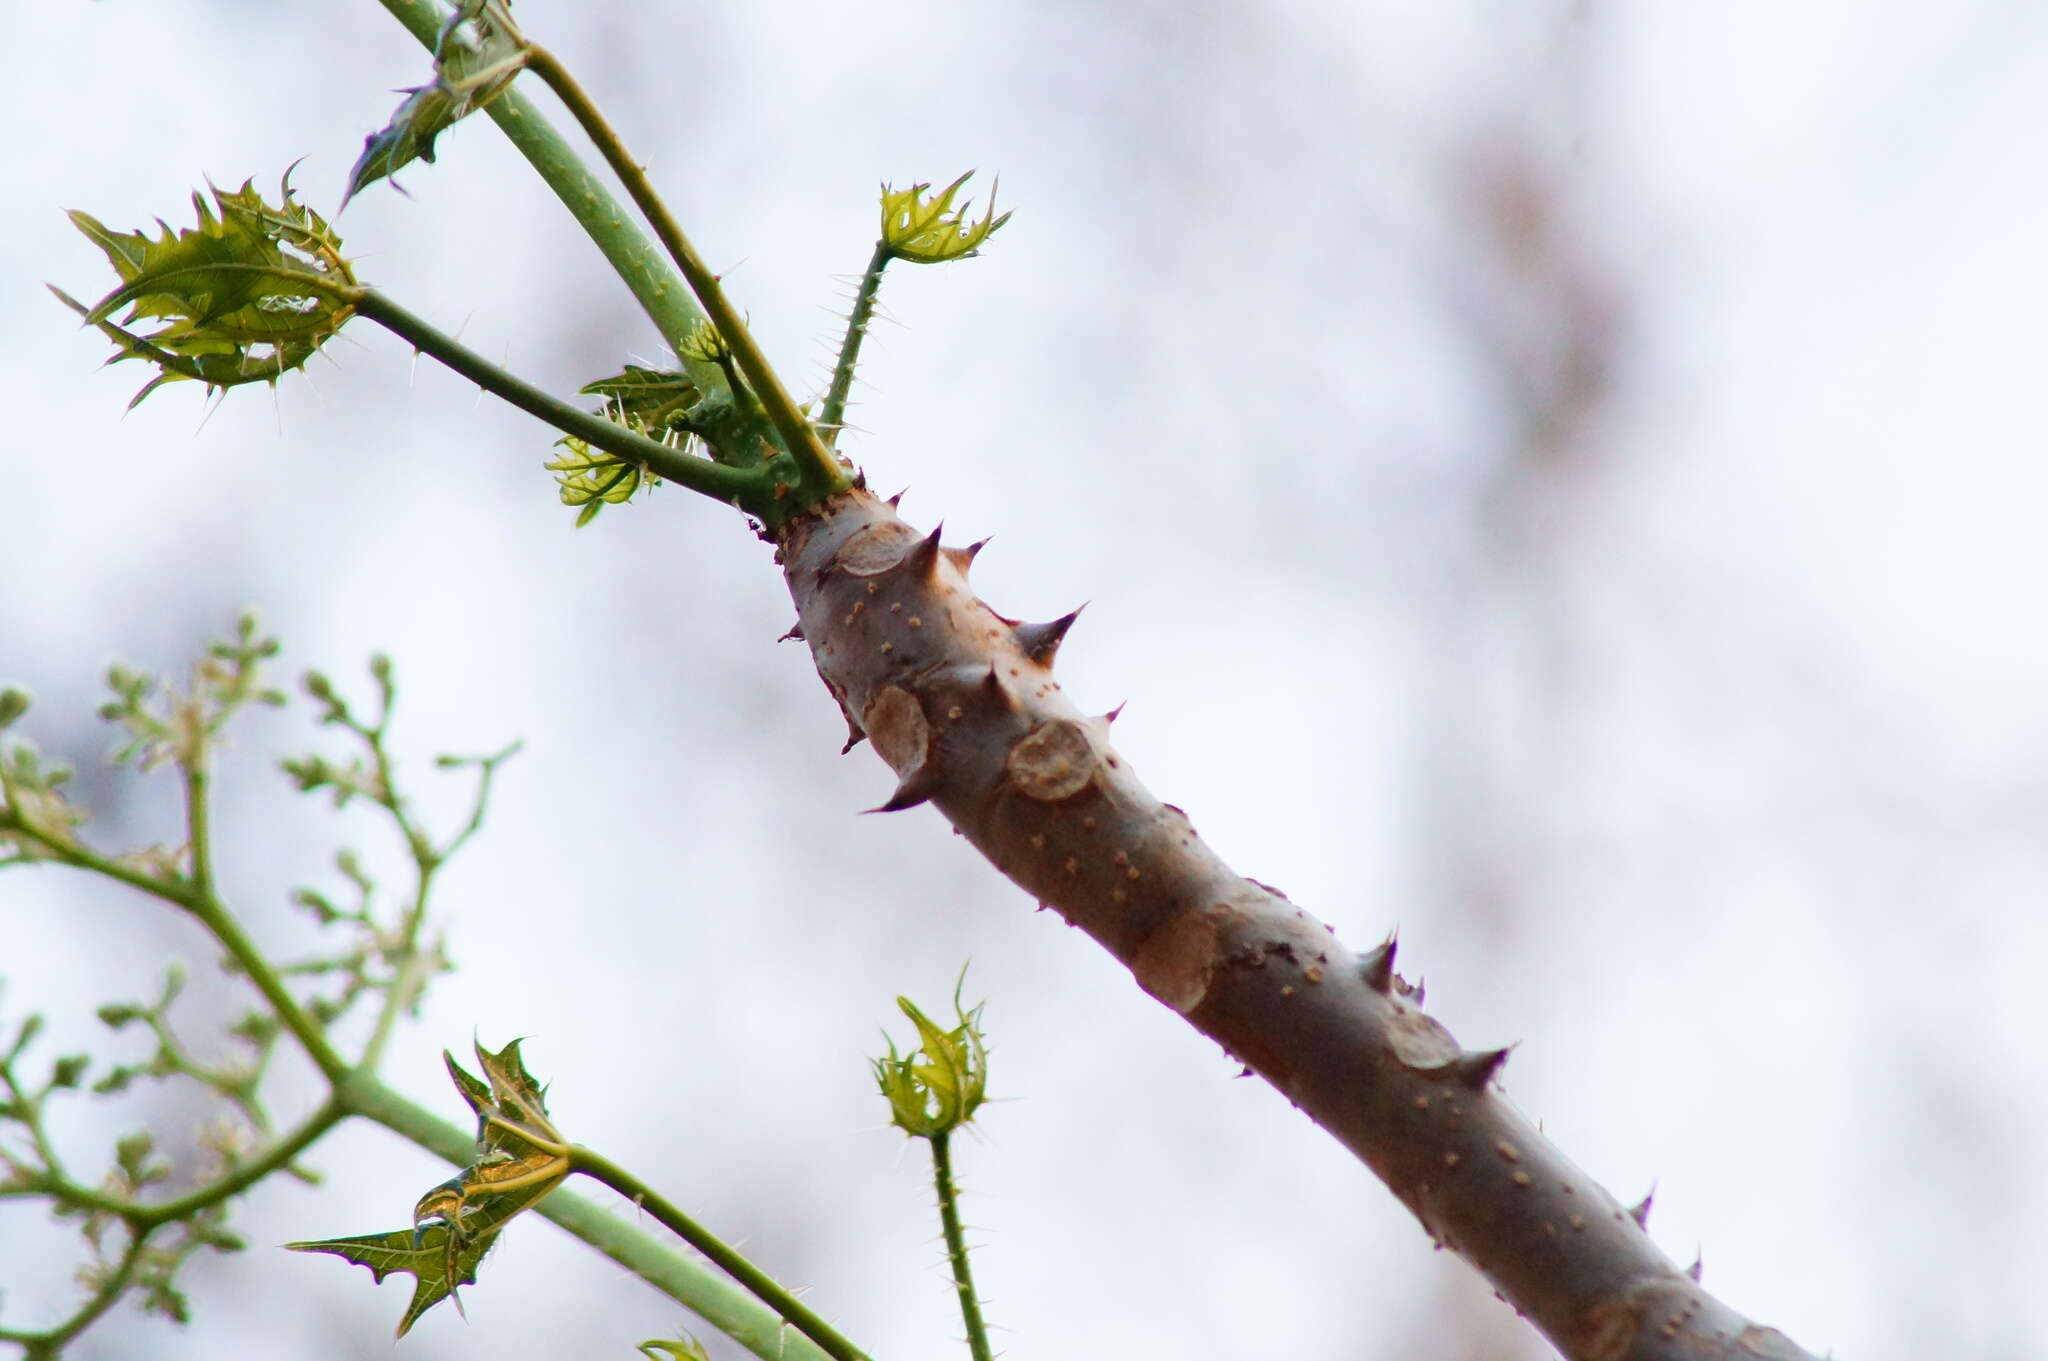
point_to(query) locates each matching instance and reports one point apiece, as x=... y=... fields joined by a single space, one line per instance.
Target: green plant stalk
x=751 y=489
x=709 y=1295
x=246 y=1175
x=820 y=472
x=636 y=260
x=50 y=1343
x=956 y=1245
x=427 y=861
x=357 y=1092
x=833 y=414
x=198 y=819
x=212 y=914
x=764 y=1287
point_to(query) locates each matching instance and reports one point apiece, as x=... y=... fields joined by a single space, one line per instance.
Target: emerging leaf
x=592 y=479
x=705 y=342
x=937 y=1086
x=479 y=52
x=929 y=230
x=250 y=293
x=511 y=1108
x=520 y=1158
x=652 y=401
x=439 y=1262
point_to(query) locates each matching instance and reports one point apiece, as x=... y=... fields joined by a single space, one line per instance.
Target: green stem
x=635 y=259
x=765 y=1288
x=706 y=1293
x=956 y=1245
x=735 y=486
x=245 y=1176
x=821 y=472
x=198 y=819
x=426 y=860
x=215 y=917
x=50 y=1343
x=833 y=416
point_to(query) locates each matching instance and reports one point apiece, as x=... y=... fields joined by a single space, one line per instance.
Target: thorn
x=923 y=556
x=1041 y=641
x=916 y=787
x=1377 y=966
x=1640 y=1211
x=1113 y=714
x=796 y=633
x=854 y=737
x=1475 y=1067
x=897 y=499
x=992 y=690
x=1698 y=1267
x=963 y=558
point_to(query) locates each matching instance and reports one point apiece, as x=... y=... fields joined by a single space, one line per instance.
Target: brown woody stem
x=962 y=704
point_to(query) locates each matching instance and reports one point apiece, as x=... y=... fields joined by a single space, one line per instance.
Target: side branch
x=962 y=704
x=821 y=472
x=602 y=217
x=705 y=1292
x=742 y=487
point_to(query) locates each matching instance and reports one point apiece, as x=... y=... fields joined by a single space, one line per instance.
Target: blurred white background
x=1564 y=480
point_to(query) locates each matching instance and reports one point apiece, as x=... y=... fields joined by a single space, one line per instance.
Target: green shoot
x=924 y=230
x=933 y=1090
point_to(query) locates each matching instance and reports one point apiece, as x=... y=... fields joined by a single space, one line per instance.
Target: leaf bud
x=937 y=1086
x=114 y=1015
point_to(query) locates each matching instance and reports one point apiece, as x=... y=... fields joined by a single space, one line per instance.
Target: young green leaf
x=510 y=1106
x=520 y=1158
x=592 y=479
x=439 y=1262
x=652 y=401
x=929 y=230
x=479 y=53
x=937 y=1086
x=249 y=294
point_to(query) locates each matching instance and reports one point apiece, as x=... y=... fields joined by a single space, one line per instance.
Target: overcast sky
x=1565 y=481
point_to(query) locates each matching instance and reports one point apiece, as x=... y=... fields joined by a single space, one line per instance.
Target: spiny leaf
x=439 y=1260
x=249 y=294
x=479 y=52
x=930 y=231
x=592 y=479
x=511 y=1108
x=652 y=401
x=937 y=1086
x=705 y=342
x=520 y=1158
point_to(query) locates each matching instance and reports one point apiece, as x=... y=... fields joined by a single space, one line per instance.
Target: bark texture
x=962 y=704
